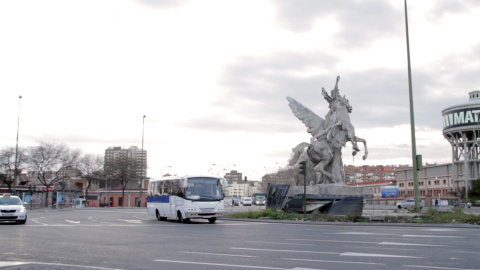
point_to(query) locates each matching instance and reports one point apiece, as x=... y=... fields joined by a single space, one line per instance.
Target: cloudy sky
x=212 y=76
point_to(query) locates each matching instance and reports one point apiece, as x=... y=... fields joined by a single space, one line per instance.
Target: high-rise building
x=132 y=155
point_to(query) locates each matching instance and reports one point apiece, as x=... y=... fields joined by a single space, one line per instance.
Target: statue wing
x=313 y=122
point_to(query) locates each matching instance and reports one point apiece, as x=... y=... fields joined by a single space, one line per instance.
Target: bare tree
x=123 y=170
x=91 y=167
x=52 y=163
x=7 y=165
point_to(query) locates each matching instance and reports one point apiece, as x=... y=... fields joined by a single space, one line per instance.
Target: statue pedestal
x=333 y=190
x=335 y=199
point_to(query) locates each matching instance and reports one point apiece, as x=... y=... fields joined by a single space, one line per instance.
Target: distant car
x=234 y=202
x=409 y=204
x=246 y=201
x=12 y=209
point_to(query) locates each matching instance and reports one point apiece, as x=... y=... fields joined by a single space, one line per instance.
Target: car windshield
x=10 y=201
x=204 y=188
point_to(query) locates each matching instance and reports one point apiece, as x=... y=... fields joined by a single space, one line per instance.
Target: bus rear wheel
x=212 y=220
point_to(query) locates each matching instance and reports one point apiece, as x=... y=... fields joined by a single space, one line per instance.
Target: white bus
x=186 y=197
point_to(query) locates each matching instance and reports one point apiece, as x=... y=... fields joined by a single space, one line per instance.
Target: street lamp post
x=224 y=168
x=273 y=174
x=141 y=165
x=161 y=172
x=416 y=160
x=15 y=172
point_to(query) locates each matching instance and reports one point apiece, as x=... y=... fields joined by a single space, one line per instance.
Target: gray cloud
x=162 y=4
x=359 y=22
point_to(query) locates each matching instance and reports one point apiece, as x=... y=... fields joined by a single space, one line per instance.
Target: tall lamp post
x=284 y=181
x=141 y=165
x=224 y=168
x=15 y=172
x=416 y=159
x=161 y=172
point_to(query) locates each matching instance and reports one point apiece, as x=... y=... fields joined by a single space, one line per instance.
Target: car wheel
x=212 y=220
x=22 y=221
x=399 y=207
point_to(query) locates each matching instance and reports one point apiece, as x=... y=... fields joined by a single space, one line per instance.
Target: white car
x=410 y=204
x=12 y=209
x=246 y=201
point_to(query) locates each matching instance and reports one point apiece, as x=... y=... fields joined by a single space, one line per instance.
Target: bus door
x=175 y=204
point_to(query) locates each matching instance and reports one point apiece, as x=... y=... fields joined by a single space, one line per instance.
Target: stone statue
x=329 y=135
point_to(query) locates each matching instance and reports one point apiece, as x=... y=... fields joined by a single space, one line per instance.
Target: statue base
x=333 y=190
x=334 y=199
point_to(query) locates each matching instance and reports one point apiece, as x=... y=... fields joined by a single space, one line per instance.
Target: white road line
x=437 y=267
x=308 y=260
x=353 y=233
x=72 y=221
x=4 y=264
x=148 y=218
x=335 y=241
x=95 y=220
x=226 y=265
x=131 y=220
x=218 y=254
x=36 y=221
x=278 y=243
x=409 y=244
x=285 y=250
x=355 y=254
x=432 y=236
x=441 y=230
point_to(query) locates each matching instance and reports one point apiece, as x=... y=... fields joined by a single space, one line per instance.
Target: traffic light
x=303 y=167
x=62 y=184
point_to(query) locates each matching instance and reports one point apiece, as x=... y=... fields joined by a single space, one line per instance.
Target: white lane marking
x=308 y=260
x=285 y=250
x=217 y=254
x=222 y=264
x=72 y=221
x=131 y=220
x=432 y=236
x=36 y=221
x=355 y=254
x=409 y=244
x=441 y=230
x=4 y=264
x=278 y=243
x=142 y=218
x=354 y=233
x=95 y=220
x=336 y=241
x=364 y=242
x=436 y=267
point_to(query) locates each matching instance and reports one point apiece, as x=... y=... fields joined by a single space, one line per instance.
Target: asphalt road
x=130 y=239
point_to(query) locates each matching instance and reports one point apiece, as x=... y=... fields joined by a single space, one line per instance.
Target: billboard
x=389 y=191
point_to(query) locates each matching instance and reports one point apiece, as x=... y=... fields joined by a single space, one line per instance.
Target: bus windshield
x=204 y=189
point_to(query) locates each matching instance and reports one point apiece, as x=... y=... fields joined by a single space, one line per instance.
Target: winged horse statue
x=329 y=135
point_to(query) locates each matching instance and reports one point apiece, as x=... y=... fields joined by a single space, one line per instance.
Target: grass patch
x=280 y=215
x=431 y=216
x=455 y=216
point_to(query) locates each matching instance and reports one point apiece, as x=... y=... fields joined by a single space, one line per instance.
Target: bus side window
x=159 y=188
x=167 y=188
x=177 y=188
x=150 y=188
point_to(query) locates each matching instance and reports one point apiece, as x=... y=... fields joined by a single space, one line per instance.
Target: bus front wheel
x=212 y=220
x=181 y=219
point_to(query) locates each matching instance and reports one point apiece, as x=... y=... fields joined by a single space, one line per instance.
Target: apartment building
x=134 y=155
